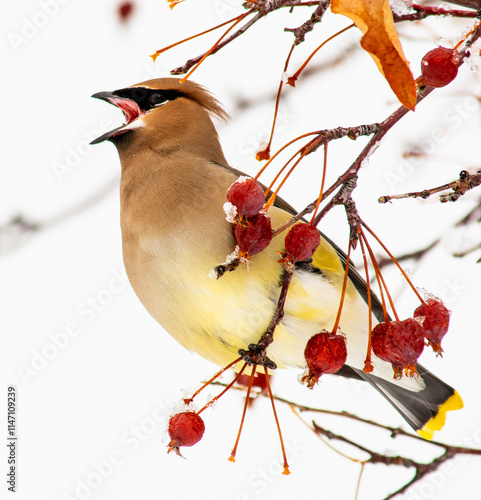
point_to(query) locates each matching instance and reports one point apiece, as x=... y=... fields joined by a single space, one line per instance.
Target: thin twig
x=465 y=183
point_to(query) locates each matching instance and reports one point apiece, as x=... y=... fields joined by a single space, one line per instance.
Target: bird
x=174 y=179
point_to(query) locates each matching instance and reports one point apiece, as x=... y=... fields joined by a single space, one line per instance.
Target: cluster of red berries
x=397 y=342
x=252 y=225
x=440 y=66
x=402 y=342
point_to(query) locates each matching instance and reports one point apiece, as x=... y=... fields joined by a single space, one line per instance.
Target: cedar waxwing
x=174 y=232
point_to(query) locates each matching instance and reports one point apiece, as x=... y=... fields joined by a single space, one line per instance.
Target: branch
x=424 y=11
x=263 y=10
x=306 y=27
x=469 y=4
x=460 y=187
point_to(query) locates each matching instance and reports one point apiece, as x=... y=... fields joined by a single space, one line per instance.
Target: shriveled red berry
x=247 y=196
x=440 y=66
x=301 y=242
x=254 y=234
x=125 y=10
x=325 y=352
x=399 y=343
x=185 y=429
x=259 y=381
x=433 y=316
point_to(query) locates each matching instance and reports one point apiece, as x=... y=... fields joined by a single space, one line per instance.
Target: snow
x=95 y=375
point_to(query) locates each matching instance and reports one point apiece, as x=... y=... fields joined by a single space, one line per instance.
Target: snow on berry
x=399 y=343
x=433 y=316
x=440 y=66
x=254 y=234
x=301 y=242
x=185 y=429
x=247 y=196
x=325 y=352
x=230 y=212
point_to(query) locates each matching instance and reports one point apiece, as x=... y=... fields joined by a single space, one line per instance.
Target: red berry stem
x=292 y=79
x=391 y=256
x=381 y=291
x=217 y=375
x=265 y=153
x=323 y=181
x=305 y=150
x=343 y=292
x=259 y=173
x=228 y=386
x=286 y=470
x=476 y=26
x=246 y=404
x=368 y=366
x=160 y=51
x=237 y=20
x=379 y=277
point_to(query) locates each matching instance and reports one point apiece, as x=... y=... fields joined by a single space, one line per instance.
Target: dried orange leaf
x=380 y=39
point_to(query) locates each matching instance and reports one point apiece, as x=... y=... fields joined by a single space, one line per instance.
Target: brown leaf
x=380 y=39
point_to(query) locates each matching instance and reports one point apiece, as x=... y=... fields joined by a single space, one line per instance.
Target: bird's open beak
x=130 y=109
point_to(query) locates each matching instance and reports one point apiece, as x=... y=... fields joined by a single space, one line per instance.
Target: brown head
x=165 y=116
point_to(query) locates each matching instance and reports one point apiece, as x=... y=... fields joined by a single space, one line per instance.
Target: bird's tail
x=425 y=411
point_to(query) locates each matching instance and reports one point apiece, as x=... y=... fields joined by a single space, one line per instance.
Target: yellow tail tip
x=436 y=423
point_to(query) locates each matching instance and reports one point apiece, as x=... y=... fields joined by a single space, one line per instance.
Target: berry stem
x=303 y=152
x=391 y=256
x=271 y=199
x=217 y=375
x=476 y=26
x=381 y=291
x=246 y=404
x=265 y=153
x=368 y=366
x=268 y=384
x=380 y=278
x=238 y=20
x=316 y=132
x=343 y=292
x=323 y=181
x=160 y=51
x=292 y=79
x=228 y=386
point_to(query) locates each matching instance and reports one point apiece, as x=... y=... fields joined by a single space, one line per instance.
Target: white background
x=92 y=410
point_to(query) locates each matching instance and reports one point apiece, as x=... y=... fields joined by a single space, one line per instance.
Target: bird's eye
x=138 y=94
x=155 y=99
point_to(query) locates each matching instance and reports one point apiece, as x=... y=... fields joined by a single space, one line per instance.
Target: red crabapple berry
x=253 y=235
x=440 y=66
x=259 y=381
x=125 y=10
x=399 y=343
x=185 y=429
x=247 y=196
x=433 y=316
x=302 y=241
x=325 y=352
